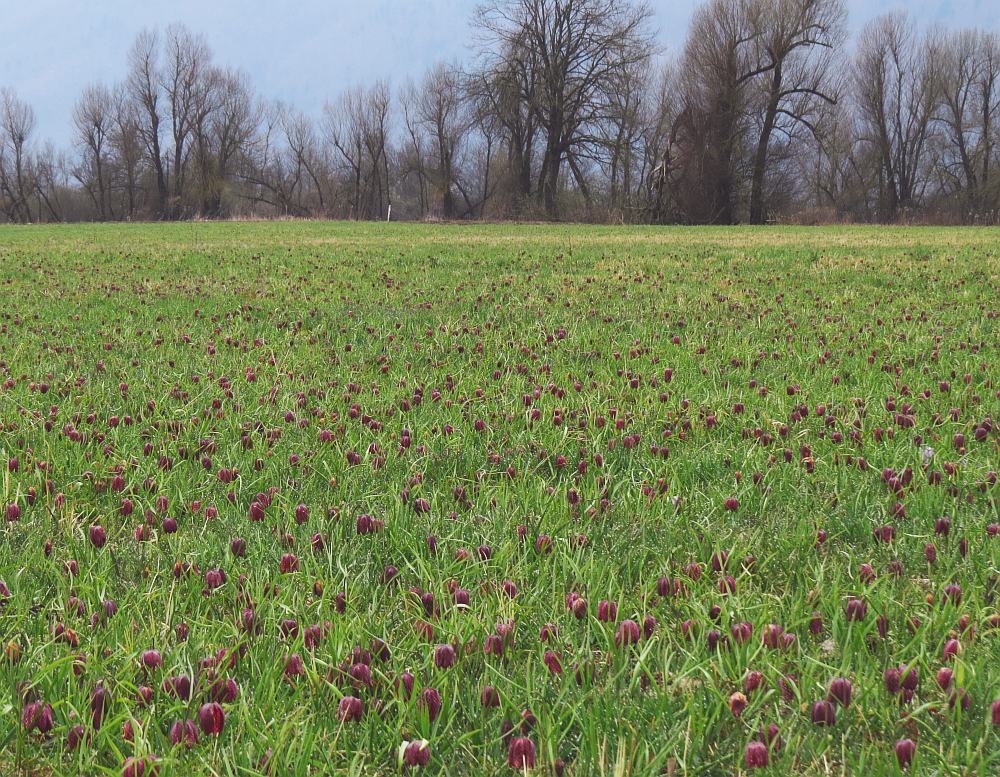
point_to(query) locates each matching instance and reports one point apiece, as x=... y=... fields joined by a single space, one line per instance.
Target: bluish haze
x=304 y=52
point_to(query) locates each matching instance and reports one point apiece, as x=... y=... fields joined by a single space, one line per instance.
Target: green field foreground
x=311 y=498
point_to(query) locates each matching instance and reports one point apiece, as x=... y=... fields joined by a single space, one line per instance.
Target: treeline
x=567 y=111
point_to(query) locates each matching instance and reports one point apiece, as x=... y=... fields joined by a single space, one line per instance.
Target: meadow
x=322 y=499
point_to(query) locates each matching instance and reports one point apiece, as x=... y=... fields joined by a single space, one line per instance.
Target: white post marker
x=388 y=216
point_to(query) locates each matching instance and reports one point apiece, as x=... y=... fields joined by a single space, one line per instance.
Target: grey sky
x=304 y=51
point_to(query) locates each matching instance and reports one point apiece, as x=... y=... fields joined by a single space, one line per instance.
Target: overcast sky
x=303 y=51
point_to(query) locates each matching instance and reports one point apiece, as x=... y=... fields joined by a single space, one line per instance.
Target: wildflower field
x=324 y=499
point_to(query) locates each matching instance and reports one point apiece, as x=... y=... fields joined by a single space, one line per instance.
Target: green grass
x=364 y=330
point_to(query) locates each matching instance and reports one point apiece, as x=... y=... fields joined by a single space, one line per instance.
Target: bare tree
x=623 y=132
x=503 y=95
x=561 y=114
x=128 y=143
x=187 y=80
x=17 y=184
x=357 y=127
x=93 y=119
x=968 y=84
x=224 y=123
x=264 y=169
x=578 y=49
x=895 y=89
x=796 y=43
x=437 y=123
x=144 y=87
x=488 y=134
x=721 y=58
x=307 y=157
x=413 y=152
x=50 y=179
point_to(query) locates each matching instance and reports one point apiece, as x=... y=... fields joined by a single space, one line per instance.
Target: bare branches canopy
x=566 y=110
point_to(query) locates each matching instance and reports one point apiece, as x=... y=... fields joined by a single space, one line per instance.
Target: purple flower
x=349 y=709
x=430 y=701
x=905 y=748
x=98 y=536
x=824 y=713
x=489 y=697
x=444 y=656
x=37 y=716
x=628 y=633
x=755 y=756
x=416 y=754
x=521 y=754
x=211 y=718
x=184 y=732
x=840 y=691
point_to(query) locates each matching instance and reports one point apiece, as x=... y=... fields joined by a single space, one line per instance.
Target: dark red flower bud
x=521 y=754
x=349 y=709
x=184 y=732
x=444 y=656
x=37 y=716
x=144 y=766
x=97 y=536
x=824 y=713
x=840 y=691
x=752 y=681
x=178 y=686
x=211 y=718
x=771 y=736
x=756 y=755
x=416 y=754
x=294 y=667
x=905 y=749
x=151 y=659
x=74 y=737
x=771 y=636
x=100 y=704
x=361 y=675
x=224 y=691
x=430 y=701
x=607 y=611
x=742 y=632
x=489 y=697
x=404 y=684
x=856 y=609
x=892 y=677
x=628 y=633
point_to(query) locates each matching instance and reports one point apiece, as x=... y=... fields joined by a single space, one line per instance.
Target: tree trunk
x=760 y=157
